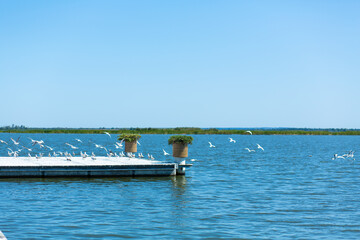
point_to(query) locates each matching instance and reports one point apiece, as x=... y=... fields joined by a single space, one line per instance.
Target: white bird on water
x=249 y=132
x=232 y=140
x=73 y=147
x=337 y=156
x=165 y=153
x=108 y=134
x=258 y=146
x=249 y=150
x=212 y=146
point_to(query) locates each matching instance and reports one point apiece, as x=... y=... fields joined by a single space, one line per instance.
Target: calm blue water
x=292 y=190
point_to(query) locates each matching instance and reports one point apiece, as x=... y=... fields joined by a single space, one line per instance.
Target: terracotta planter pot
x=180 y=150
x=131 y=147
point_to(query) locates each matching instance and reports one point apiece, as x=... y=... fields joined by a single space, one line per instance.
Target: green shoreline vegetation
x=185 y=130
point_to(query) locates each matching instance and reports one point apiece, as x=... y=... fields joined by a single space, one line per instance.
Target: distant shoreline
x=192 y=131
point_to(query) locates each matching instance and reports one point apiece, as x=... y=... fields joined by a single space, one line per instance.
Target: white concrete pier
x=83 y=167
x=2 y=236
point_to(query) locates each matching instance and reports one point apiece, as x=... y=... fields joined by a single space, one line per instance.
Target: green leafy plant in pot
x=130 y=140
x=180 y=145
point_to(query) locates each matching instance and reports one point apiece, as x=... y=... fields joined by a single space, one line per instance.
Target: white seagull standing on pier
x=232 y=140
x=212 y=146
x=258 y=146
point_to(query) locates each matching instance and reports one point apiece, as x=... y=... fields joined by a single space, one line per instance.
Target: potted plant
x=130 y=140
x=180 y=145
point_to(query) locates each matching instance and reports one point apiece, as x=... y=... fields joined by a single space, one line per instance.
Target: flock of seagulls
x=118 y=145
x=40 y=144
x=350 y=155
x=231 y=140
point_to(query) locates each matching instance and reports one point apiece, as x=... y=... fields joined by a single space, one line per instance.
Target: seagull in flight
x=232 y=140
x=165 y=153
x=258 y=146
x=212 y=146
x=249 y=150
x=78 y=140
x=99 y=146
x=118 y=144
x=73 y=147
x=15 y=142
x=29 y=149
x=41 y=142
x=249 y=132
x=108 y=134
x=51 y=149
x=138 y=143
x=1 y=141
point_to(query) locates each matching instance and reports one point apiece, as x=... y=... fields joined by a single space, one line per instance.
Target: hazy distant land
x=186 y=130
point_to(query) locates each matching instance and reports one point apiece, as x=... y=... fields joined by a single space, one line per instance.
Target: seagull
x=71 y=146
x=232 y=140
x=99 y=146
x=11 y=152
x=165 y=153
x=249 y=132
x=78 y=140
x=212 y=146
x=258 y=146
x=40 y=142
x=108 y=134
x=249 y=150
x=51 y=149
x=1 y=141
x=15 y=142
x=29 y=149
x=337 y=156
x=138 y=142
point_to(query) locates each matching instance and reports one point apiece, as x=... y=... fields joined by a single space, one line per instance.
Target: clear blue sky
x=180 y=63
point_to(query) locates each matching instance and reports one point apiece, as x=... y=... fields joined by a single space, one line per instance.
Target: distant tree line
x=186 y=130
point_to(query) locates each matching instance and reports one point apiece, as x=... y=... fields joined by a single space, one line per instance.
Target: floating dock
x=2 y=236
x=86 y=167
